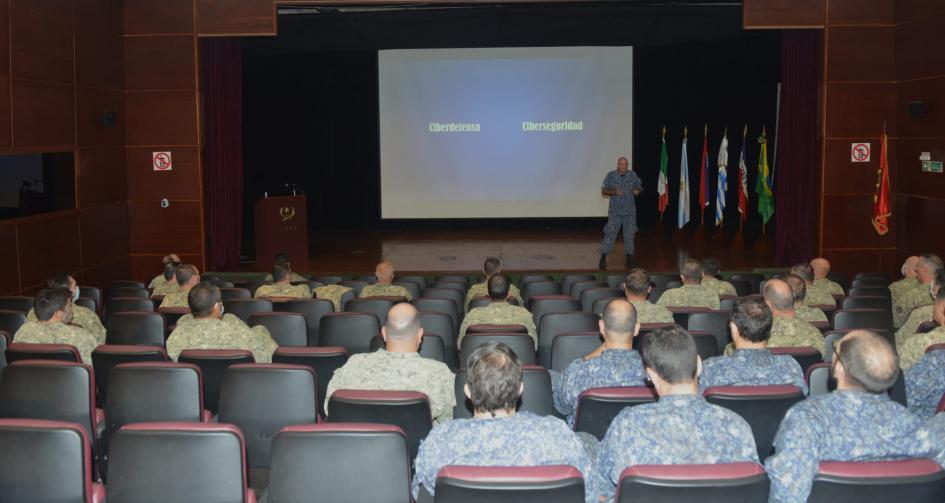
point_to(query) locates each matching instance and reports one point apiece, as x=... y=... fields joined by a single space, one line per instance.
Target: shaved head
x=868 y=360
x=691 y=271
x=384 y=272
x=620 y=320
x=908 y=267
x=798 y=287
x=403 y=322
x=778 y=295
x=805 y=271
x=821 y=267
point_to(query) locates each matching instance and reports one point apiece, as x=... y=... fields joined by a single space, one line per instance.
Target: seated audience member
x=914 y=347
x=751 y=364
x=206 y=327
x=384 y=272
x=490 y=267
x=919 y=295
x=908 y=280
x=161 y=278
x=816 y=295
x=710 y=270
x=618 y=364
x=187 y=277
x=497 y=435
x=691 y=293
x=821 y=268
x=81 y=316
x=53 y=308
x=334 y=293
x=925 y=383
x=787 y=330
x=499 y=311
x=282 y=286
x=857 y=422
x=283 y=260
x=801 y=309
x=920 y=314
x=398 y=367
x=637 y=289
x=680 y=428
x=169 y=285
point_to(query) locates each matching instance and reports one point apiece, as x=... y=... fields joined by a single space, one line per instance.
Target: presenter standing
x=621 y=186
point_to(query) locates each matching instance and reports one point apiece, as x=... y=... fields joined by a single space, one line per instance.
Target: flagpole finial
x=884 y=126
x=745 y=131
x=725 y=131
x=705 y=130
x=664 y=132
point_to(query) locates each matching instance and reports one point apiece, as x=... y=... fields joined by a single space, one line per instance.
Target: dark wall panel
x=863 y=54
x=100 y=176
x=43 y=114
x=10 y=278
x=150 y=17
x=104 y=233
x=160 y=62
x=161 y=118
x=181 y=183
x=176 y=227
x=784 y=13
x=46 y=244
x=857 y=12
x=236 y=17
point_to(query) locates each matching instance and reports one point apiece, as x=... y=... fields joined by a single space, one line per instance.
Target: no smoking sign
x=859 y=152
x=161 y=161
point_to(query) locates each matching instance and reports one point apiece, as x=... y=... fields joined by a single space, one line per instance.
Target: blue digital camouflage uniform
x=678 y=429
x=622 y=211
x=614 y=367
x=925 y=383
x=520 y=440
x=751 y=367
x=845 y=425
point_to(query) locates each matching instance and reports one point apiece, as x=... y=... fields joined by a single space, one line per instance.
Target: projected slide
x=502 y=133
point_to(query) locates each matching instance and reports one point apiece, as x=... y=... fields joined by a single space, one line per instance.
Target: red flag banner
x=881 y=208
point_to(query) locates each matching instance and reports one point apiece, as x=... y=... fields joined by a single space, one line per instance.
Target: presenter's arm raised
x=611 y=192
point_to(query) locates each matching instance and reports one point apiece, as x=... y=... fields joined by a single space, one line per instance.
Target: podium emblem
x=287 y=213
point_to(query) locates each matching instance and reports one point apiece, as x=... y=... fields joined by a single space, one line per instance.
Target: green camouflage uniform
x=648 y=312
x=917 y=317
x=228 y=332
x=85 y=318
x=791 y=332
x=386 y=371
x=157 y=281
x=176 y=299
x=819 y=296
x=916 y=296
x=499 y=313
x=165 y=288
x=899 y=287
x=914 y=347
x=719 y=287
x=690 y=296
x=34 y=332
x=332 y=293
x=809 y=314
x=287 y=290
x=385 y=291
x=831 y=286
x=293 y=277
x=482 y=290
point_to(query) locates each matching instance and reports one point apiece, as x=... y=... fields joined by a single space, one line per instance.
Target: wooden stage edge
x=531 y=250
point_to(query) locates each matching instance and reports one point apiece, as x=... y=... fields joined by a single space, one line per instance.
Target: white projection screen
x=502 y=132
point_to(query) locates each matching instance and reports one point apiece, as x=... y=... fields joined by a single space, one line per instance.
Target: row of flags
x=763 y=187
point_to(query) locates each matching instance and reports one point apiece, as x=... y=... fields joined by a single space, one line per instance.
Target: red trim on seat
x=810 y=370
x=723 y=471
x=754 y=391
x=128 y=349
x=98 y=493
x=618 y=392
x=44 y=424
x=500 y=474
x=358 y=395
x=93 y=419
x=311 y=350
x=272 y=366
x=691 y=310
x=215 y=353
x=533 y=368
x=648 y=327
x=173 y=310
x=934 y=347
x=343 y=427
x=795 y=351
x=496 y=329
x=343 y=314
x=278 y=314
x=44 y=348
x=879 y=469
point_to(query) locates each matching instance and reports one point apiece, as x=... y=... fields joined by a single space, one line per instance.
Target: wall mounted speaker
x=917 y=109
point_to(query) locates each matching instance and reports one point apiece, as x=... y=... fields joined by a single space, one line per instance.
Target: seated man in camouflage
x=925 y=384
x=187 y=277
x=384 y=272
x=681 y=428
x=920 y=314
x=399 y=367
x=710 y=270
x=81 y=316
x=801 y=309
x=497 y=435
x=334 y=293
x=490 y=267
x=816 y=295
x=821 y=268
x=914 y=347
x=282 y=286
x=637 y=289
x=169 y=285
x=787 y=331
x=499 y=311
x=160 y=278
x=857 y=422
x=908 y=277
x=691 y=293
x=53 y=308
x=616 y=364
x=206 y=327
x=751 y=364
x=283 y=260
x=919 y=295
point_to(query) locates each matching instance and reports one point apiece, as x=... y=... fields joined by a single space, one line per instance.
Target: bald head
x=403 y=325
x=778 y=295
x=908 y=267
x=384 y=272
x=821 y=267
x=619 y=321
x=868 y=360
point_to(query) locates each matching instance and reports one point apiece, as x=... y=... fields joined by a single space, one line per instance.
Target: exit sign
x=932 y=166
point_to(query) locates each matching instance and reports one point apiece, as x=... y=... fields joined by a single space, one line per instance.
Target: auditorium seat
x=570 y=346
x=706 y=344
x=479 y=302
x=553 y=324
x=617 y=281
x=763 y=407
x=420 y=281
x=127 y=283
x=323 y=360
x=578 y=287
x=713 y=322
x=328 y=280
x=375 y=305
x=221 y=284
x=870 y=291
x=540 y=288
x=846 y=319
x=569 y=279
x=509 y=484
x=455 y=278
x=106 y=356
x=742 y=287
x=591 y=295
x=719 y=483
x=460 y=286
x=353 y=331
x=128 y=292
x=124 y=304
x=870 y=274
x=820 y=381
x=536 y=398
x=441 y=324
x=94 y=293
x=354 y=285
x=212 y=364
x=186 y=462
x=253 y=286
x=312 y=285
x=173 y=314
x=659 y=280
x=261 y=399
x=934 y=347
x=913 y=480
x=314 y=463
x=541 y=305
x=673 y=284
x=4 y=343
x=805 y=356
x=156 y=301
x=869 y=283
x=530 y=278
x=366 y=278
x=16 y=303
x=87 y=303
x=436 y=305
x=313 y=310
x=867 y=302
x=137 y=328
x=244 y=308
x=413 y=287
x=655 y=294
x=493 y=328
x=522 y=344
x=19 y=351
x=832 y=336
x=11 y=321
x=597 y=407
x=841 y=279
x=681 y=314
x=287 y=329
x=235 y=293
x=458 y=297
x=430 y=347
x=752 y=278
x=727 y=304
x=409 y=410
x=45 y=461
x=926 y=327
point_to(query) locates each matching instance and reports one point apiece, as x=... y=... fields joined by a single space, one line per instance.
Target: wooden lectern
x=281 y=226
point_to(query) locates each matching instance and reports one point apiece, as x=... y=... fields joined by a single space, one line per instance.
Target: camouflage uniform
x=165 y=288
x=34 y=332
x=844 y=425
x=925 y=384
x=719 y=287
x=157 y=281
x=385 y=291
x=614 y=367
x=499 y=313
x=384 y=370
x=676 y=430
x=83 y=317
x=791 y=332
x=648 y=312
x=287 y=290
x=622 y=211
x=831 y=286
x=917 y=317
x=819 y=296
x=482 y=290
x=910 y=299
x=293 y=277
x=914 y=347
x=176 y=299
x=520 y=440
x=751 y=367
x=899 y=287
x=690 y=296
x=334 y=293
x=809 y=314
x=228 y=332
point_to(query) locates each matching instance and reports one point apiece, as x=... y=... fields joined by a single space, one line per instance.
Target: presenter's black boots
x=629 y=261
x=603 y=262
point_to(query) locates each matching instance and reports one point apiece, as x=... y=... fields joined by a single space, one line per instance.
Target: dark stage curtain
x=796 y=189
x=221 y=61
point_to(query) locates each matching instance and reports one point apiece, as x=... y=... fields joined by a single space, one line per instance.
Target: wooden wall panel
x=236 y=17
x=6 y=113
x=182 y=183
x=856 y=12
x=104 y=274
x=161 y=118
x=863 y=54
x=859 y=110
x=46 y=244
x=922 y=223
x=910 y=179
x=919 y=53
x=42 y=41
x=875 y=259
x=783 y=13
x=104 y=233
x=910 y=10
x=176 y=227
x=160 y=62
x=848 y=219
x=100 y=176
x=841 y=176
x=10 y=278
x=43 y=115
x=931 y=91
x=150 y=17
x=91 y=105
x=98 y=44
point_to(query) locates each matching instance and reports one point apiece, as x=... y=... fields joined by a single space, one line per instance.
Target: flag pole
x=764 y=225
x=664 y=141
x=742 y=218
x=777 y=116
x=705 y=134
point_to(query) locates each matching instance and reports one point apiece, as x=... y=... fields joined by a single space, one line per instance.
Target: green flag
x=662 y=184
x=763 y=185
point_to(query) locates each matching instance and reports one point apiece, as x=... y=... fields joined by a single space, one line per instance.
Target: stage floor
x=463 y=251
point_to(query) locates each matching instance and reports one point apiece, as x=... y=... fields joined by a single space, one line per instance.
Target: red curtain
x=222 y=85
x=796 y=188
